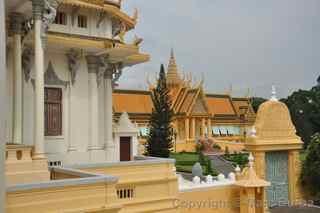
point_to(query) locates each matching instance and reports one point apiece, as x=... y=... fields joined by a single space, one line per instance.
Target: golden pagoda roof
x=99 y=5
x=274 y=121
x=173 y=77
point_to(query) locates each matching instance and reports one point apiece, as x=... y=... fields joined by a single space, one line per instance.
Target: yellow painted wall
x=98 y=197
x=155 y=186
x=222 y=199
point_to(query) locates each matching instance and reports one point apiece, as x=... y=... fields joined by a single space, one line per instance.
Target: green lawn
x=185 y=156
x=186 y=160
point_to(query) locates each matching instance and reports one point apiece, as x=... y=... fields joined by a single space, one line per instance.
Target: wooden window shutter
x=53 y=111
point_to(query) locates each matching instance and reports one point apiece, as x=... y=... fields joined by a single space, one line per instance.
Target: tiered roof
x=186 y=100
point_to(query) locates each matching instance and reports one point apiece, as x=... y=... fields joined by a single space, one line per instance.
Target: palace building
x=73 y=142
x=63 y=63
x=197 y=113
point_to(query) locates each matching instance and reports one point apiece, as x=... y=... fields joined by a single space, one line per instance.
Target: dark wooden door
x=125 y=148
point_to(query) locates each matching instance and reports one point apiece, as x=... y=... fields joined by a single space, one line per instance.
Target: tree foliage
x=304 y=106
x=310 y=176
x=159 y=140
x=256 y=102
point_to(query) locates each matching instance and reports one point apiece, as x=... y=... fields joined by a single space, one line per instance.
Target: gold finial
x=135 y=15
x=122 y=32
x=137 y=41
x=229 y=90
x=173 y=77
x=248 y=93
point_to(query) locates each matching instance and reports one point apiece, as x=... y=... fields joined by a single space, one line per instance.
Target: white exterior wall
x=75 y=118
x=72 y=146
x=103 y=31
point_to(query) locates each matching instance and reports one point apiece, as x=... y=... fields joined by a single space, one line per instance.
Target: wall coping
x=85 y=178
x=139 y=160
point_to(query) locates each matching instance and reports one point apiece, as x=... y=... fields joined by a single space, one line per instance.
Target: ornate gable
x=199 y=107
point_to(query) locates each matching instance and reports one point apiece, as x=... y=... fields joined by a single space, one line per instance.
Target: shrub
x=216 y=146
x=202 y=159
x=209 y=167
x=311 y=168
x=199 y=147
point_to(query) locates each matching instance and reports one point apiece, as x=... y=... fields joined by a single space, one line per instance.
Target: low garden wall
x=210 y=199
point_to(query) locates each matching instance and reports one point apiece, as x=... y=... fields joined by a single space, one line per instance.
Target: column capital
x=37 y=9
x=16 y=20
x=93 y=63
x=108 y=74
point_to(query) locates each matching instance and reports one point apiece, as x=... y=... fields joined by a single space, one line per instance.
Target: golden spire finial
x=173 y=77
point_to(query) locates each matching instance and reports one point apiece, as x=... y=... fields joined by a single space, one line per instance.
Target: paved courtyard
x=295 y=210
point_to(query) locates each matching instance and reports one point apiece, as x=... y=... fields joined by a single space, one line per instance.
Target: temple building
x=63 y=59
x=72 y=140
x=197 y=113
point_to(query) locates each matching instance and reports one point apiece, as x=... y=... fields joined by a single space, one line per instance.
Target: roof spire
x=172 y=74
x=274 y=94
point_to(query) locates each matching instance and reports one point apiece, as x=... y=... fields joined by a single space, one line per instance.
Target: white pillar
x=2 y=108
x=16 y=25
x=93 y=67
x=109 y=143
x=37 y=7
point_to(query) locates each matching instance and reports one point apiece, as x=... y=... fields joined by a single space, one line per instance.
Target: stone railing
x=16 y=153
x=142 y=182
x=209 y=181
x=21 y=168
x=79 y=192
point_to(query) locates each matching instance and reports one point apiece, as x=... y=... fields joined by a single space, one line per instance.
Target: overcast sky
x=244 y=43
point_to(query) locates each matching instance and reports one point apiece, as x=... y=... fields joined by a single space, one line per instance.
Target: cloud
x=248 y=43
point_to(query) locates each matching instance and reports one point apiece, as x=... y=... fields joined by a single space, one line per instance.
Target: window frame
x=65 y=18
x=80 y=22
x=61 y=135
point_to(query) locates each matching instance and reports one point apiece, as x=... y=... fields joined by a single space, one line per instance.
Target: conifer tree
x=159 y=141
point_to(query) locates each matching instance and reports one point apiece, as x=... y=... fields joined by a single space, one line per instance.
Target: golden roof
x=274 y=121
x=220 y=104
x=173 y=77
x=132 y=101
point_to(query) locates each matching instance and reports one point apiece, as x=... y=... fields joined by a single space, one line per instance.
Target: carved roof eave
x=135 y=59
x=110 y=9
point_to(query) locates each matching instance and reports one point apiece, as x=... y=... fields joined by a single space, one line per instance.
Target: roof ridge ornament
x=274 y=94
